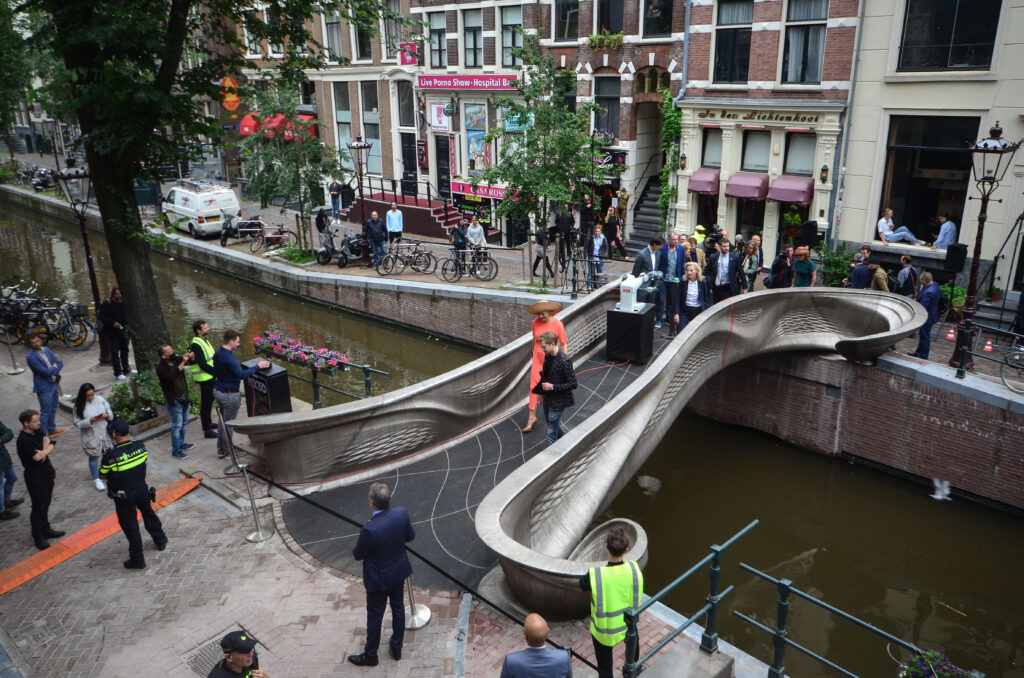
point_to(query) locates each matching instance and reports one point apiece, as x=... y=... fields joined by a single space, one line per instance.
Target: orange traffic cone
x=951 y=335
x=988 y=346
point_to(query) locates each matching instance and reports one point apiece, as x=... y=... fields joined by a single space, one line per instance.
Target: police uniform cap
x=119 y=427
x=238 y=641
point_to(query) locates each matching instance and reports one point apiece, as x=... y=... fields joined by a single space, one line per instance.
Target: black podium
x=630 y=335
x=267 y=392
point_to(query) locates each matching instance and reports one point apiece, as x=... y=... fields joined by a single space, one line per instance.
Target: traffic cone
x=951 y=335
x=988 y=346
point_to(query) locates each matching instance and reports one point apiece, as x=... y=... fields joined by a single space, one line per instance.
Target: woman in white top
x=475 y=234
x=92 y=413
x=693 y=297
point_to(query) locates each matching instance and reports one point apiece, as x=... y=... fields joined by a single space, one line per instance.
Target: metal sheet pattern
x=537 y=516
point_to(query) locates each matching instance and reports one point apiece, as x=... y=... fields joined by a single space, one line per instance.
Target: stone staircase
x=995 y=315
x=646 y=217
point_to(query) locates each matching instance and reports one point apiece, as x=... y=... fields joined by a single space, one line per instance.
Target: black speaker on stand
x=630 y=335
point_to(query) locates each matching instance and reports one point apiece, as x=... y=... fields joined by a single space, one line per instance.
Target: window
x=307 y=94
x=657 y=18
x=567 y=15
x=371 y=125
x=800 y=154
x=438 y=40
x=406 y=116
x=361 y=44
x=607 y=93
x=392 y=30
x=276 y=47
x=609 y=16
x=472 y=31
x=712 y=156
x=511 y=35
x=732 y=40
x=343 y=119
x=252 y=42
x=756 y=151
x=941 y=35
x=805 y=41
x=332 y=32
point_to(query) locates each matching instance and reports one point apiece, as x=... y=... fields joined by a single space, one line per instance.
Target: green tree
x=551 y=161
x=284 y=158
x=671 y=133
x=17 y=66
x=133 y=75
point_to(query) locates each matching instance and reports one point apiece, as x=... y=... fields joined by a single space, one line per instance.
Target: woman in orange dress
x=544 y=322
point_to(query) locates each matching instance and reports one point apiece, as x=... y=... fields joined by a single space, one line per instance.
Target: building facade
x=767 y=83
x=932 y=77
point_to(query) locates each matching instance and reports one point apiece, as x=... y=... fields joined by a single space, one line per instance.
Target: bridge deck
x=442 y=491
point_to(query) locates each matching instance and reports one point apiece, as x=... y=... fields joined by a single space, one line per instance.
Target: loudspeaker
x=956 y=257
x=267 y=391
x=630 y=336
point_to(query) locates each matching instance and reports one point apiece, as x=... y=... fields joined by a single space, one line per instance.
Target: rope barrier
x=423 y=558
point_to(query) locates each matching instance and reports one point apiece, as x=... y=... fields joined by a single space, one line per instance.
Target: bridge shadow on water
x=442 y=491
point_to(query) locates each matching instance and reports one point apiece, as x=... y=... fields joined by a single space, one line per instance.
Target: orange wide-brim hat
x=544 y=306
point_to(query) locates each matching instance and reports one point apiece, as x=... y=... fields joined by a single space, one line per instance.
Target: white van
x=198 y=206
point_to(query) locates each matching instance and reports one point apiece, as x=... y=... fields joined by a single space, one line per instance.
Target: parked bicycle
x=405 y=253
x=22 y=313
x=476 y=262
x=242 y=229
x=271 y=237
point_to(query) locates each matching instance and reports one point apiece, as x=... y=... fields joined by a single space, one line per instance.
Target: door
x=443 y=164
x=408 y=164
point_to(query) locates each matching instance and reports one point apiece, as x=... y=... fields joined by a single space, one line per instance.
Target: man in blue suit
x=538 y=660
x=381 y=547
x=46 y=369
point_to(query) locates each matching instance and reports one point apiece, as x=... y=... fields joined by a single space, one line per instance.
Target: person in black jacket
x=724 y=273
x=376 y=233
x=565 y=224
x=557 y=382
x=113 y=325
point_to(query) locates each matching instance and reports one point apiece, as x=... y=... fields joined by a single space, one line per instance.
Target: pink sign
x=407 y=53
x=481 y=191
x=439 y=122
x=467 y=82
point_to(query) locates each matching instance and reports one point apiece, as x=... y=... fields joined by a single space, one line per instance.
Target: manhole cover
x=203 y=659
x=35 y=634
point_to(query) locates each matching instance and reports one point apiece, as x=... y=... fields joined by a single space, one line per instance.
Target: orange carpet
x=35 y=565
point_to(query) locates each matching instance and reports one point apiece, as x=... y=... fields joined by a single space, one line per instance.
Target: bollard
x=966 y=345
x=222 y=430
x=366 y=381
x=709 y=639
x=631 y=669
x=418 y=615
x=317 y=403
x=258 y=535
x=14 y=364
x=777 y=669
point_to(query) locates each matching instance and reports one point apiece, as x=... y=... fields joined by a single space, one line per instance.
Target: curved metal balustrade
x=535 y=519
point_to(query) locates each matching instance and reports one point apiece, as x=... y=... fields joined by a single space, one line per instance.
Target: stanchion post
x=317 y=403
x=14 y=364
x=967 y=327
x=258 y=535
x=418 y=615
x=366 y=381
x=631 y=669
x=709 y=639
x=778 y=669
x=222 y=434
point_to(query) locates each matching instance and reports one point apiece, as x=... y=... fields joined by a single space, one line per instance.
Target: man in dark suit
x=724 y=273
x=538 y=660
x=381 y=547
x=648 y=260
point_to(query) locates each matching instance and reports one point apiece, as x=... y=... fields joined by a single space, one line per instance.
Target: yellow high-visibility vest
x=613 y=590
x=197 y=372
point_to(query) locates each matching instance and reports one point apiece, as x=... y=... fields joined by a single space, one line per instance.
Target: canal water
x=942 y=575
x=54 y=257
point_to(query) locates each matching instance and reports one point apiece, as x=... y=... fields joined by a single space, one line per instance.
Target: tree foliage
x=18 y=64
x=671 y=131
x=551 y=161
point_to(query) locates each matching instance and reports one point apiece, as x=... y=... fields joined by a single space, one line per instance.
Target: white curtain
x=808 y=10
x=756 y=151
x=712 y=148
x=806 y=45
x=735 y=11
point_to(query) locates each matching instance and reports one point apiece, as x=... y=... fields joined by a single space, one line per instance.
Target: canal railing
x=1011 y=366
x=315 y=380
x=780 y=635
x=709 y=638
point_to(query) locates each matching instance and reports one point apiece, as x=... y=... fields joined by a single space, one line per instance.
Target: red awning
x=250 y=124
x=786 y=188
x=747 y=185
x=705 y=180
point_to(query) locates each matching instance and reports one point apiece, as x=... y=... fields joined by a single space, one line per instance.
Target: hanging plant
x=671 y=132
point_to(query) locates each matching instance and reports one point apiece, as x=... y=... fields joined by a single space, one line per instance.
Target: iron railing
x=1011 y=366
x=315 y=381
x=708 y=639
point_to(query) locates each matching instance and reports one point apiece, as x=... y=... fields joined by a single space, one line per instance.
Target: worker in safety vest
x=202 y=374
x=614 y=589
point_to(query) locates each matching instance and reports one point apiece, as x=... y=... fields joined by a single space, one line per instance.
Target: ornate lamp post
x=74 y=185
x=991 y=158
x=359 y=149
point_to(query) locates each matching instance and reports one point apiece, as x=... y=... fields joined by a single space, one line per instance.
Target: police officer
x=202 y=374
x=614 y=588
x=124 y=469
x=239 y=657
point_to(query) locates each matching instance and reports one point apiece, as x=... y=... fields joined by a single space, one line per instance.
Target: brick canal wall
x=912 y=418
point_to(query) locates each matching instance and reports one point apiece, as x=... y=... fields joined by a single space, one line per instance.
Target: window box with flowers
x=605 y=40
x=933 y=664
x=318 y=359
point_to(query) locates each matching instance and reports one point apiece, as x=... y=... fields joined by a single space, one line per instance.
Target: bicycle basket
x=78 y=311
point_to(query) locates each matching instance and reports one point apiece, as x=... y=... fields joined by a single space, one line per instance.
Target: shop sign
x=517 y=123
x=466 y=82
x=482 y=191
x=229 y=94
x=407 y=53
x=439 y=122
x=758 y=116
x=610 y=159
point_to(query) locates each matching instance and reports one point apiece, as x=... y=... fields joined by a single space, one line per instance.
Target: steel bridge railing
x=1011 y=370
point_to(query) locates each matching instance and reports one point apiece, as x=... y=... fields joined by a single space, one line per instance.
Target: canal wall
x=903 y=414
x=487 y=318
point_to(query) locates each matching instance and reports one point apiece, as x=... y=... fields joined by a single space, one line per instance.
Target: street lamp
x=359 y=149
x=74 y=185
x=991 y=158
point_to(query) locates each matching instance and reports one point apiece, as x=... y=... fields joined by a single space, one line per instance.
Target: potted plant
x=793 y=223
x=605 y=40
x=994 y=293
x=932 y=664
x=139 y=402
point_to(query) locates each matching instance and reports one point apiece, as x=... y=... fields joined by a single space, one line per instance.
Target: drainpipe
x=835 y=206
x=682 y=93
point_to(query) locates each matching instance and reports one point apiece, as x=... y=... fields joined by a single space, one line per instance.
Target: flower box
x=293 y=351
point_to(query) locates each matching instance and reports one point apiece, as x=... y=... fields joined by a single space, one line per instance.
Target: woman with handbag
x=92 y=414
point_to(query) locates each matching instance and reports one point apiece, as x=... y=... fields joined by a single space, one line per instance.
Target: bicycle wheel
x=486 y=269
x=1012 y=372
x=257 y=243
x=29 y=325
x=79 y=335
x=424 y=262
x=323 y=257
x=451 y=271
x=386 y=265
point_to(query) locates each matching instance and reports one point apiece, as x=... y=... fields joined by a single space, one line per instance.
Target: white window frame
x=362 y=124
x=354 y=37
x=514 y=60
x=429 y=61
x=715 y=28
x=397 y=109
x=249 y=54
x=327 y=42
x=464 y=39
x=271 y=52
x=339 y=143
x=388 y=51
x=593 y=118
x=808 y=136
x=783 y=34
x=594 y=29
x=642 y=21
x=554 y=23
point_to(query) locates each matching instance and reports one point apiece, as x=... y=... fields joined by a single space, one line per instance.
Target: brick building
x=767 y=84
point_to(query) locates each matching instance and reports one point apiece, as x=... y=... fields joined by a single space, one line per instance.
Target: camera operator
x=171 y=372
